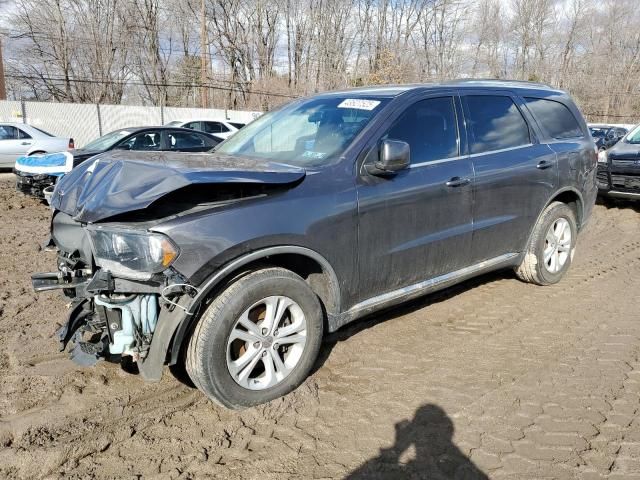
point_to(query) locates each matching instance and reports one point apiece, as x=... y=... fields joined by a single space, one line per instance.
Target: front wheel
x=257 y=340
x=551 y=247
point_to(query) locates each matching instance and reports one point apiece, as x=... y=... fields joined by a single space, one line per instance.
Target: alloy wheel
x=557 y=245
x=266 y=342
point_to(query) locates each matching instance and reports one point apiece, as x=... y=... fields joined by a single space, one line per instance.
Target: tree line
x=255 y=54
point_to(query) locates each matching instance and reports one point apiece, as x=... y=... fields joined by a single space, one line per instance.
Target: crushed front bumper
x=34 y=184
x=84 y=327
x=110 y=318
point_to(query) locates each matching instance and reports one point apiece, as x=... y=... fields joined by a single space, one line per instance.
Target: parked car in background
x=219 y=128
x=19 y=139
x=38 y=173
x=606 y=136
x=619 y=168
x=314 y=215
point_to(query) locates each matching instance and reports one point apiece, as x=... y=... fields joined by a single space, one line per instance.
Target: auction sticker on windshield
x=315 y=155
x=359 y=103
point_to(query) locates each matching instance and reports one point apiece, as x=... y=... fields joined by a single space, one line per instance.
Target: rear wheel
x=257 y=340
x=552 y=246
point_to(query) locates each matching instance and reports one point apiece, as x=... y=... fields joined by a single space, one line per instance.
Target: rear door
x=564 y=134
x=417 y=224
x=515 y=175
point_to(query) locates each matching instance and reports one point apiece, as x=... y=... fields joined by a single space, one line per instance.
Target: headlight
x=602 y=157
x=130 y=254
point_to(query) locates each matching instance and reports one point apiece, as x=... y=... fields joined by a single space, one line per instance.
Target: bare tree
x=258 y=52
x=70 y=40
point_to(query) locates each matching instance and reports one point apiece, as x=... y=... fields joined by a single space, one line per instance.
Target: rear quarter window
x=555 y=119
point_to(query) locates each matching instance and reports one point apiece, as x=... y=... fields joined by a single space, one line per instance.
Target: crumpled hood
x=119 y=182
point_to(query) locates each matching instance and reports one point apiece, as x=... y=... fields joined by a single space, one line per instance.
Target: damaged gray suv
x=237 y=262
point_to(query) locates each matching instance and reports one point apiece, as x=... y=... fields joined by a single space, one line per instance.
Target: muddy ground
x=494 y=378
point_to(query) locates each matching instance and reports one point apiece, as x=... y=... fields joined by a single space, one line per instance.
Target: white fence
x=85 y=122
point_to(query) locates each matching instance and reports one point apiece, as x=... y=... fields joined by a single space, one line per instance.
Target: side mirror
x=124 y=146
x=394 y=155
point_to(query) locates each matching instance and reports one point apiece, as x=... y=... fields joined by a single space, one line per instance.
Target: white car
x=219 y=128
x=19 y=140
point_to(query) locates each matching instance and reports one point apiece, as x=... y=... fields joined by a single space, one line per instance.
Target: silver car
x=220 y=128
x=19 y=139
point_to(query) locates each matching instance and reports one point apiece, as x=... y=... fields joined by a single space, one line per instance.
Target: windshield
x=634 y=136
x=175 y=123
x=307 y=133
x=107 y=141
x=598 y=132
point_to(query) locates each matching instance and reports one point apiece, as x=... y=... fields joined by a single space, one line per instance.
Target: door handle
x=458 y=182
x=543 y=164
x=25 y=143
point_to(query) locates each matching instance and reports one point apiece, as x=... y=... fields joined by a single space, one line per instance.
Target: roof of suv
x=394 y=90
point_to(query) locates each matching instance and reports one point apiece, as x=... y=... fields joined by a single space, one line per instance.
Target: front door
x=417 y=223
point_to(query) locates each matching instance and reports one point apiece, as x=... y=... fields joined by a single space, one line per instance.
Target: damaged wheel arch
x=307 y=263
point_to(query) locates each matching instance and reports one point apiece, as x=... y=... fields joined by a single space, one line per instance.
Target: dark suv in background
x=619 y=168
x=606 y=136
x=328 y=209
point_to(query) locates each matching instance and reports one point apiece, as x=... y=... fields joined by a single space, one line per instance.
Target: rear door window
x=193 y=125
x=143 y=141
x=430 y=128
x=8 y=132
x=214 y=127
x=23 y=134
x=554 y=118
x=186 y=141
x=494 y=123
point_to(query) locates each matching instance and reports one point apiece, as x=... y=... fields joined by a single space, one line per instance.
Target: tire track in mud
x=607 y=264
x=79 y=434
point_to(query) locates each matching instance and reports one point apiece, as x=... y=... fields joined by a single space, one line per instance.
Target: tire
x=534 y=268
x=214 y=346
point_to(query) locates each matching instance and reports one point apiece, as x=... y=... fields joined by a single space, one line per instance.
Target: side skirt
x=410 y=292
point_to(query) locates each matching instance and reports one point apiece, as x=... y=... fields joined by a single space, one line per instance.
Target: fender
x=548 y=202
x=205 y=289
x=580 y=202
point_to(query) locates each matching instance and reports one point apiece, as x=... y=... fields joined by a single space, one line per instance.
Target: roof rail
x=501 y=81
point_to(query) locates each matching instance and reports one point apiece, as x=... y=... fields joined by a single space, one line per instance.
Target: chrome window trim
x=435 y=162
x=501 y=150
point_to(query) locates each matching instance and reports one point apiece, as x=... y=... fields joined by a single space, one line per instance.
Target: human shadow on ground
x=435 y=456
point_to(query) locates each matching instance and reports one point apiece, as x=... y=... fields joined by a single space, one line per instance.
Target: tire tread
x=528 y=271
x=196 y=360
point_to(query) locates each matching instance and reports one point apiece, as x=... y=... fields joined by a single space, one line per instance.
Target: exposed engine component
x=131 y=321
